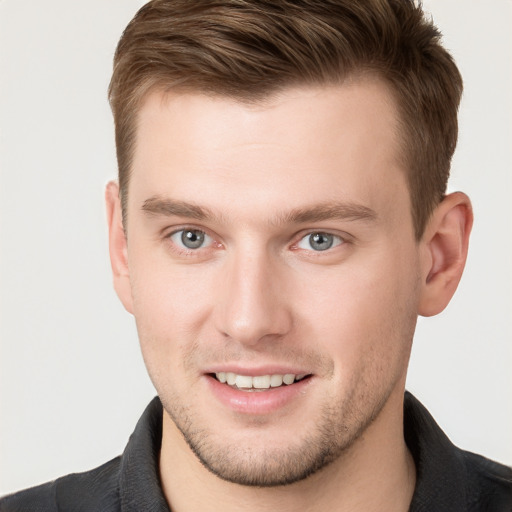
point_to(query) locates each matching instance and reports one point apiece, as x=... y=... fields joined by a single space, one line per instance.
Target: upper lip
x=257 y=371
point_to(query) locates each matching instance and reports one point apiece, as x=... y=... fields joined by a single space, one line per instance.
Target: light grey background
x=72 y=379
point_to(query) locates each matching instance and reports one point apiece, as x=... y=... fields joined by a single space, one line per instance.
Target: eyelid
x=208 y=240
x=342 y=237
x=169 y=232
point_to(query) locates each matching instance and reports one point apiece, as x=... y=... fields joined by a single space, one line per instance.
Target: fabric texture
x=448 y=479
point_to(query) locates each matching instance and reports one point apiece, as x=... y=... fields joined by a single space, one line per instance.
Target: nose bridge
x=253 y=306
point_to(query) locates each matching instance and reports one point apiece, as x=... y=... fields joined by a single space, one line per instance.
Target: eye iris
x=321 y=241
x=192 y=239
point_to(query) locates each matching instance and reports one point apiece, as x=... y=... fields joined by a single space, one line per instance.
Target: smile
x=259 y=393
x=259 y=382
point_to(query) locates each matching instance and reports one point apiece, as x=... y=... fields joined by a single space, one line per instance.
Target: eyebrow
x=157 y=205
x=330 y=211
x=167 y=207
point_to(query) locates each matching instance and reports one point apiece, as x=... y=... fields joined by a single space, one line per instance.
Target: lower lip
x=257 y=402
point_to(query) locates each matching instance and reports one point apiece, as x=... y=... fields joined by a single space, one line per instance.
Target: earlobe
x=118 y=246
x=445 y=247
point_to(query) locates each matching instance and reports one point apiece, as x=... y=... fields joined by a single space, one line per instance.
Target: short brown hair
x=248 y=49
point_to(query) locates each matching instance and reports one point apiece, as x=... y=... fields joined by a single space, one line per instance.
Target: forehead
x=301 y=145
x=363 y=102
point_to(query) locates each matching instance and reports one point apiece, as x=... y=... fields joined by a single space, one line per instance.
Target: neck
x=376 y=473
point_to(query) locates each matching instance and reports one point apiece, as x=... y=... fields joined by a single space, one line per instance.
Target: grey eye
x=319 y=241
x=190 y=238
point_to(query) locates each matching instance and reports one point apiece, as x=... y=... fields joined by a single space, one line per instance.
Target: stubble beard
x=338 y=428
x=342 y=419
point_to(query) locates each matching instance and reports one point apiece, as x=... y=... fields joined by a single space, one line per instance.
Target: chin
x=254 y=458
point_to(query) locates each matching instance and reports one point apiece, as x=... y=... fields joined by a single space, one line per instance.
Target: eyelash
x=337 y=240
x=179 y=247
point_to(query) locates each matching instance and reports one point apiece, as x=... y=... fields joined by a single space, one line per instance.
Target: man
x=281 y=219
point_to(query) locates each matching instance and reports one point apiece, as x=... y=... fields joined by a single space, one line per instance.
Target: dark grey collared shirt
x=448 y=479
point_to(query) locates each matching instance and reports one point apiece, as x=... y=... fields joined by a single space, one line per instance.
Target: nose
x=254 y=305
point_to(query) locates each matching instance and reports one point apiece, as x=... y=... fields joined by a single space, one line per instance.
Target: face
x=273 y=271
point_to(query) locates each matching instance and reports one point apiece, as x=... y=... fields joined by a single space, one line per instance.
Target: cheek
x=368 y=317
x=166 y=291
x=171 y=307
x=167 y=327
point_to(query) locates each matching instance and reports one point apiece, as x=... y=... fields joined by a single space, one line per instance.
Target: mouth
x=259 y=392
x=258 y=382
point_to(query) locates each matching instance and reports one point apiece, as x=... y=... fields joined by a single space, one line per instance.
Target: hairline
x=357 y=75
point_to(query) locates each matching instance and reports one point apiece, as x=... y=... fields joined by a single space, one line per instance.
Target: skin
x=258 y=297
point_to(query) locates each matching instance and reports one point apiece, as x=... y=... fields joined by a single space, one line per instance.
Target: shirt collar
x=139 y=482
x=440 y=470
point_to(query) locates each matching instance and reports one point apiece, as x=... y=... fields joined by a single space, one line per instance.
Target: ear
x=445 y=248
x=118 y=246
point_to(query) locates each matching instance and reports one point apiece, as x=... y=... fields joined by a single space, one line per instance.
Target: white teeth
x=276 y=381
x=261 y=382
x=289 y=378
x=258 y=382
x=243 y=381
